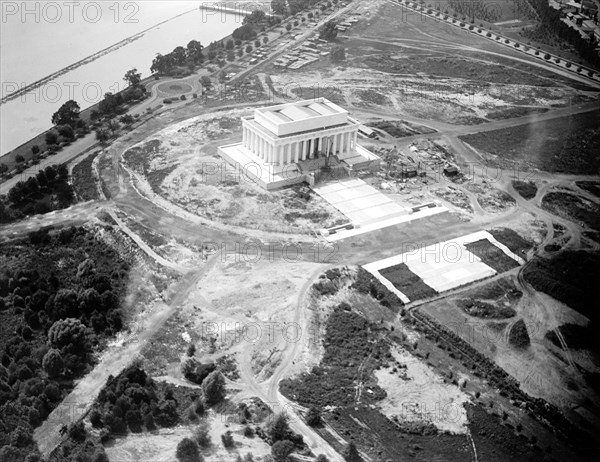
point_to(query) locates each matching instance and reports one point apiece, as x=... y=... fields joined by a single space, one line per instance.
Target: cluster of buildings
x=346 y=24
x=583 y=17
x=307 y=53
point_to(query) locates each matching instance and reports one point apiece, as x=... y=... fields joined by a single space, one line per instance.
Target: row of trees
x=189 y=57
x=48 y=190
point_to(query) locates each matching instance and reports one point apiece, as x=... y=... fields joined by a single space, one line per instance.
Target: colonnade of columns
x=282 y=152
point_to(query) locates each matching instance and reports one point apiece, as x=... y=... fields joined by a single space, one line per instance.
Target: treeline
x=180 y=57
x=60 y=299
x=552 y=30
x=48 y=190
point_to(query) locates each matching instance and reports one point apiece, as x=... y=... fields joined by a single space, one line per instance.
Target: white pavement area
x=442 y=266
x=361 y=203
x=384 y=223
x=366 y=208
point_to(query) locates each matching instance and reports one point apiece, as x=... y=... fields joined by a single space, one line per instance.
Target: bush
x=195 y=371
x=202 y=436
x=227 y=439
x=281 y=450
x=547 y=56
x=182 y=98
x=213 y=387
x=313 y=417
x=187 y=451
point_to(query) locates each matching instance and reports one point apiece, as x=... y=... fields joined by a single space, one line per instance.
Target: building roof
x=300 y=116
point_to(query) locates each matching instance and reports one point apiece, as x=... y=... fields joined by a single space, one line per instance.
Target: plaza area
x=360 y=202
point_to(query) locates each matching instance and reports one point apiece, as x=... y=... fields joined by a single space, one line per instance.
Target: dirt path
x=268 y=390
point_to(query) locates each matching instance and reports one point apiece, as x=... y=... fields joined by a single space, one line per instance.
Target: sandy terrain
x=161 y=445
x=418 y=394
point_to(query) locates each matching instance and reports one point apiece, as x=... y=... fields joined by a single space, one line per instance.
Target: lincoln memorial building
x=294 y=142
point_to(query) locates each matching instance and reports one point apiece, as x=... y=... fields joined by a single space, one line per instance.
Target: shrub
x=213 y=387
x=313 y=417
x=195 y=371
x=227 y=439
x=202 y=436
x=281 y=450
x=187 y=451
x=547 y=56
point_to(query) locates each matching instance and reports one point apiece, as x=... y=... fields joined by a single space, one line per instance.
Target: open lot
x=564 y=145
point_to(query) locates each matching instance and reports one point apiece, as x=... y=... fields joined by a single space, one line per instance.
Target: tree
x=187 y=451
x=279 y=7
x=227 y=439
x=66 y=131
x=35 y=149
x=230 y=56
x=338 y=53
x=279 y=428
x=248 y=48
x=313 y=417
x=67 y=114
x=206 y=82
x=257 y=43
x=213 y=387
x=265 y=40
x=102 y=135
x=126 y=119
x=113 y=125
x=321 y=458
x=133 y=77
x=19 y=159
x=53 y=363
x=351 y=453
x=51 y=138
x=329 y=31
x=256 y=17
x=288 y=27
x=240 y=52
x=281 y=450
x=202 y=436
x=3 y=168
x=194 y=52
x=229 y=44
x=68 y=332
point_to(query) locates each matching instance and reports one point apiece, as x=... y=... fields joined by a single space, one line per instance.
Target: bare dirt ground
x=160 y=445
x=413 y=386
x=427 y=75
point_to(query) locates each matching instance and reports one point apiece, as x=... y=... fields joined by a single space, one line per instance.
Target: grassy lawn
x=564 y=145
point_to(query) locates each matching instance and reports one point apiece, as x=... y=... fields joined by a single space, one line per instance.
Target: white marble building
x=281 y=141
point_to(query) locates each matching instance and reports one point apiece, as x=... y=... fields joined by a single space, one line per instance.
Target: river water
x=38 y=39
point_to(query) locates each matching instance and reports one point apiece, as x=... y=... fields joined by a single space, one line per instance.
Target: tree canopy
x=67 y=114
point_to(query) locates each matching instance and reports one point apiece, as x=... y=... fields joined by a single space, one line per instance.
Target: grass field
x=526 y=189
x=491 y=255
x=407 y=282
x=562 y=145
x=573 y=208
x=571 y=277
